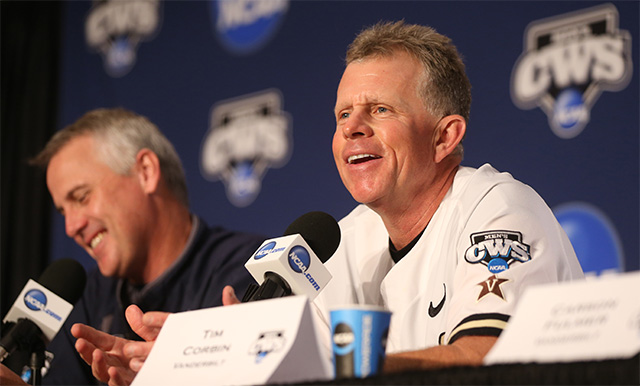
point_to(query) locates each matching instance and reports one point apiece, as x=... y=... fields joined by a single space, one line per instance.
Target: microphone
x=42 y=307
x=294 y=263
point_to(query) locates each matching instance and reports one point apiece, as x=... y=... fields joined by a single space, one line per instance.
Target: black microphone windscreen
x=66 y=278
x=320 y=230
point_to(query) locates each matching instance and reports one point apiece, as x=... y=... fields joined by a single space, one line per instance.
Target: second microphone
x=294 y=264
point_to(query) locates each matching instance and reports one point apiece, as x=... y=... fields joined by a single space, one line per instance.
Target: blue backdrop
x=249 y=87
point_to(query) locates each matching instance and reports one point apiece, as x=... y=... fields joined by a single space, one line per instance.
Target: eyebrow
x=70 y=195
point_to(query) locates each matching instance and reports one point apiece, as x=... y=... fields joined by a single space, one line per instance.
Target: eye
x=381 y=109
x=344 y=115
x=82 y=197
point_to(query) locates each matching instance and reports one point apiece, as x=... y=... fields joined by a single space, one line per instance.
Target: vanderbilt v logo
x=492 y=286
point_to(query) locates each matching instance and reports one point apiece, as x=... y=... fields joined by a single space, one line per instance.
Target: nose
x=357 y=126
x=74 y=222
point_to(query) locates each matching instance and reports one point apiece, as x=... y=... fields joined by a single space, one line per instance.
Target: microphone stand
x=26 y=340
x=37 y=362
x=273 y=286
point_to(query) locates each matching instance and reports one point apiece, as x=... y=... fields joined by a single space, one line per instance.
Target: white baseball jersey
x=491 y=237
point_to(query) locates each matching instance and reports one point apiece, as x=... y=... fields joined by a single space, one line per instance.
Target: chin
x=107 y=271
x=364 y=195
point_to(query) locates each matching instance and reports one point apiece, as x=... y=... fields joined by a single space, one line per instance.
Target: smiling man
x=120 y=186
x=447 y=249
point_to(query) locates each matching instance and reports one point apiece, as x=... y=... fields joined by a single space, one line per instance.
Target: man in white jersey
x=448 y=249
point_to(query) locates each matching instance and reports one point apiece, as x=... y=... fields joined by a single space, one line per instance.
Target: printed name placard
x=268 y=341
x=593 y=319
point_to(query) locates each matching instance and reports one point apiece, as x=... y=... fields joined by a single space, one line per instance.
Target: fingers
x=136 y=364
x=111 y=367
x=134 y=314
x=146 y=325
x=229 y=296
x=137 y=353
x=155 y=320
x=99 y=339
x=85 y=349
x=103 y=352
x=99 y=366
x=120 y=376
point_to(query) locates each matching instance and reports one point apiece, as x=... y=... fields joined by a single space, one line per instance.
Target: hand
x=104 y=353
x=229 y=296
x=8 y=377
x=148 y=327
x=116 y=360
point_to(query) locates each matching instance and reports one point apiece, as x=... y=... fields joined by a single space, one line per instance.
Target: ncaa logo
x=262 y=252
x=343 y=337
x=245 y=26
x=299 y=259
x=35 y=300
x=115 y=29
x=568 y=60
x=247 y=136
x=594 y=238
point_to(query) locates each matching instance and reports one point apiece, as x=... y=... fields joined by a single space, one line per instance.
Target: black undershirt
x=397 y=255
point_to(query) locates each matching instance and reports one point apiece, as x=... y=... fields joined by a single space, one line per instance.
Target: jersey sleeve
x=510 y=241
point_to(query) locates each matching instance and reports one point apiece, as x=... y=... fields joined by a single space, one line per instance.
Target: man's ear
x=447 y=135
x=148 y=170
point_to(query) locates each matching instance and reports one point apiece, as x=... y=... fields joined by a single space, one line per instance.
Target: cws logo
x=497 y=250
x=247 y=136
x=568 y=60
x=115 y=28
x=36 y=300
x=299 y=261
x=245 y=26
x=267 y=342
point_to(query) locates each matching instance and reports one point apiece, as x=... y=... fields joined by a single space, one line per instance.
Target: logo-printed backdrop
x=245 y=90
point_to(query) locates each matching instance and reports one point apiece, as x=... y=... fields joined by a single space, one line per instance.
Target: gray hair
x=120 y=134
x=445 y=87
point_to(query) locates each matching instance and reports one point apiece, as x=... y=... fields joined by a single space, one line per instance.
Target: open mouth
x=96 y=240
x=360 y=158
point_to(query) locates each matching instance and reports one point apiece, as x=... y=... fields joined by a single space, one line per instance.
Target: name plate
x=268 y=341
x=587 y=320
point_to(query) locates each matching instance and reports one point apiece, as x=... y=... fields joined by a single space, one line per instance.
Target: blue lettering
x=53 y=314
x=312 y=281
x=297 y=261
x=34 y=302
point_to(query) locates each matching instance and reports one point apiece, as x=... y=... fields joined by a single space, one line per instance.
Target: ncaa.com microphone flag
x=294 y=263
x=43 y=306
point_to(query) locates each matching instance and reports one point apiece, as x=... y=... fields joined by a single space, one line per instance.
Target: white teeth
x=354 y=158
x=96 y=240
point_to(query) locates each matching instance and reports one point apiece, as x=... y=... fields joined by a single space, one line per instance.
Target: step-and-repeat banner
x=245 y=90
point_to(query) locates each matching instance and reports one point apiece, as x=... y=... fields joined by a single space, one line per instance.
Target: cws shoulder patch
x=497 y=250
